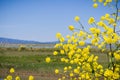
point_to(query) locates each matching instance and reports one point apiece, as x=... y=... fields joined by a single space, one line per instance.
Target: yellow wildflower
x=12 y=70
x=65 y=68
x=95 y=5
x=81 y=33
x=117 y=56
x=76 y=71
x=108 y=40
x=76 y=18
x=56 y=71
x=90 y=59
x=55 y=53
x=111 y=20
x=17 y=78
x=58 y=35
x=71 y=27
x=105 y=3
x=62 y=51
x=102 y=18
x=48 y=59
x=91 y=20
x=69 y=67
x=31 y=77
x=101 y=23
x=108 y=73
x=89 y=36
x=9 y=77
x=63 y=77
x=95 y=58
x=71 y=74
x=114 y=24
x=83 y=76
x=68 y=36
x=81 y=43
x=62 y=59
x=62 y=39
x=107 y=15
x=59 y=79
x=66 y=60
x=116 y=75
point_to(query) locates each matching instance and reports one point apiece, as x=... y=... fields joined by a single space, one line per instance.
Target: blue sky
x=40 y=20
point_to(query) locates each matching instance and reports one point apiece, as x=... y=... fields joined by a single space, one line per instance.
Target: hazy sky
x=40 y=20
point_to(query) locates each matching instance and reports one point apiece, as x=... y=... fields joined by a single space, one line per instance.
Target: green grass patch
x=33 y=62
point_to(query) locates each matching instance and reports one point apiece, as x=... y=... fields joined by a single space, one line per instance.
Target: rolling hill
x=17 y=41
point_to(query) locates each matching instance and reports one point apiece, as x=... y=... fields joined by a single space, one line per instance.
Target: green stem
x=109 y=57
x=116 y=6
x=81 y=25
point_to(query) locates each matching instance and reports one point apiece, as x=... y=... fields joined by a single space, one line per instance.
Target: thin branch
x=96 y=25
x=81 y=25
x=116 y=5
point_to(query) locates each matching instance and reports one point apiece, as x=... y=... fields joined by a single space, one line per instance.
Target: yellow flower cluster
x=86 y=64
x=111 y=75
x=109 y=19
x=95 y=30
x=82 y=64
x=107 y=33
x=14 y=77
x=117 y=55
x=105 y=2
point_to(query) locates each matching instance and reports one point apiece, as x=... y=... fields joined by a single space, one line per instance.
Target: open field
x=33 y=63
x=27 y=45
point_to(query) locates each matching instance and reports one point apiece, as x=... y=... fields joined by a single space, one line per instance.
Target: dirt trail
x=25 y=74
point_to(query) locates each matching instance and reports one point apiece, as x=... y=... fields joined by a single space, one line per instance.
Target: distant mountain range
x=17 y=41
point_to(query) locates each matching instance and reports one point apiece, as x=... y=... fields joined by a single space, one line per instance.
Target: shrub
x=21 y=48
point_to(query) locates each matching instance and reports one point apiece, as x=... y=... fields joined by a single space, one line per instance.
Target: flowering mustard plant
x=83 y=65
